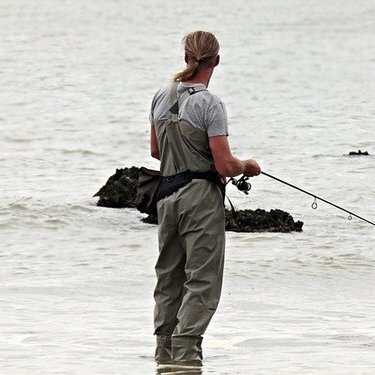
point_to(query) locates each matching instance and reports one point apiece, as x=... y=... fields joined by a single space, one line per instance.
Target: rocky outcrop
x=120 y=191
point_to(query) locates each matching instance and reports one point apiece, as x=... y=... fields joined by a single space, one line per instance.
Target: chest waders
x=191 y=236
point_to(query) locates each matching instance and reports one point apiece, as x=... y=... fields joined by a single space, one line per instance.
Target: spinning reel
x=242 y=184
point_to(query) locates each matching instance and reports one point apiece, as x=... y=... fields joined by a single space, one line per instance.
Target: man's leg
x=170 y=280
x=202 y=230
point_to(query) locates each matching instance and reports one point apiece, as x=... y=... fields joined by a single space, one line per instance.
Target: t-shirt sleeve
x=153 y=104
x=151 y=114
x=217 y=120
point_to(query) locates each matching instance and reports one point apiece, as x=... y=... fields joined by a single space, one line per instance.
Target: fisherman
x=189 y=130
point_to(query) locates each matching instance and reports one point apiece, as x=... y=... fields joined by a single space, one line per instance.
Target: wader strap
x=175 y=103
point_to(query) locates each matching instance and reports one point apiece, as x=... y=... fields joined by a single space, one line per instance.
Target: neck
x=203 y=76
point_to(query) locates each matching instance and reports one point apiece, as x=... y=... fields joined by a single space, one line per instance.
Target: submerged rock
x=120 y=192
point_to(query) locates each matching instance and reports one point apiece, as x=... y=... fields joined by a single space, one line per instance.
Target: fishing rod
x=314 y=204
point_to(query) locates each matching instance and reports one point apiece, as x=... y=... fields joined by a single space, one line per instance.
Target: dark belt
x=170 y=184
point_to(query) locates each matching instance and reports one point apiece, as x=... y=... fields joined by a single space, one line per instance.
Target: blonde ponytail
x=201 y=47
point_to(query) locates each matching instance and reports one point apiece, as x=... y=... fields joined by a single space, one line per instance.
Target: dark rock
x=358 y=153
x=120 y=192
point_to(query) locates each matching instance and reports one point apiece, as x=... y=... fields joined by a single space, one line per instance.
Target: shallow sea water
x=76 y=280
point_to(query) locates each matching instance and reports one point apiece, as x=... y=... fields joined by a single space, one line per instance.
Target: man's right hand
x=252 y=168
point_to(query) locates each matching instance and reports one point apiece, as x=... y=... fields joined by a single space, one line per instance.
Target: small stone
x=358 y=153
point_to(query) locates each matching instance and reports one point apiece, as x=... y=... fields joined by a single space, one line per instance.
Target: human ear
x=217 y=60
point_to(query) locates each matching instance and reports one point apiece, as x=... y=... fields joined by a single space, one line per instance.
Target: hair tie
x=198 y=60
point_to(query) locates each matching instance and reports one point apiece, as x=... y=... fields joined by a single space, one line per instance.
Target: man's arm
x=226 y=163
x=154 y=144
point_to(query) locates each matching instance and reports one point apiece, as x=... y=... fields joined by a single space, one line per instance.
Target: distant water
x=76 y=280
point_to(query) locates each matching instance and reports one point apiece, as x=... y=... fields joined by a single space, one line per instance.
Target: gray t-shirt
x=203 y=110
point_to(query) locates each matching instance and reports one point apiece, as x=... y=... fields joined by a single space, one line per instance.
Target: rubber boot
x=187 y=350
x=163 y=350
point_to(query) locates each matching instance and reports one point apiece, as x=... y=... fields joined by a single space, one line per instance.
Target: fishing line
x=315 y=203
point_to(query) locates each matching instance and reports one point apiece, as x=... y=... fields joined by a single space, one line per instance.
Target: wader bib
x=191 y=235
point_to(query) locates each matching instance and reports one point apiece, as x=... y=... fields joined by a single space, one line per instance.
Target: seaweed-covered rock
x=261 y=221
x=120 y=192
x=120 y=189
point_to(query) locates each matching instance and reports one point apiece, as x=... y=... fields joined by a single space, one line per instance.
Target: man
x=189 y=136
